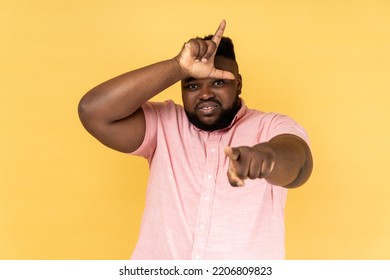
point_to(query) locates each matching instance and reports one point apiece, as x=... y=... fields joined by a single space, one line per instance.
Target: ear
x=239 y=84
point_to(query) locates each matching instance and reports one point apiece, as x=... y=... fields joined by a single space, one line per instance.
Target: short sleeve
x=148 y=145
x=277 y=124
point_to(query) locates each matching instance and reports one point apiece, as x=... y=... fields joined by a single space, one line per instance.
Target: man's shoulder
x=164 y=105
x=259 y=115
x=266 y=119
x=164 y=110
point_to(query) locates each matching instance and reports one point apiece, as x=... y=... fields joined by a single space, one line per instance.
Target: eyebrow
x=189 y=79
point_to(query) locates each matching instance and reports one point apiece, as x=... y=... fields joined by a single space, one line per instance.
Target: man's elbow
x=304 y=172
x=87 y=112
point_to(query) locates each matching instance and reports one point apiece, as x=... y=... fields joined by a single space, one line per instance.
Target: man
x=219 y=171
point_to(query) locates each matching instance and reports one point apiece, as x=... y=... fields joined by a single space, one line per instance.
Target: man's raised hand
x=196 y=58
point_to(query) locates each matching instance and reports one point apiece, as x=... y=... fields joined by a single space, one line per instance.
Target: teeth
x=207 y=107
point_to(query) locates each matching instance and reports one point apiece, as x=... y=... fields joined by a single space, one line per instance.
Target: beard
x=224 y=120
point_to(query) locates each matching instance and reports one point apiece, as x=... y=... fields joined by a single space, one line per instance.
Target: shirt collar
x=239 y=114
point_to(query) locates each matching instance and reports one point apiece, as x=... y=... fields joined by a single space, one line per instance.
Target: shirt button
x=210 y=177
x=212 y=150
x=201 y=227
x=206 y=198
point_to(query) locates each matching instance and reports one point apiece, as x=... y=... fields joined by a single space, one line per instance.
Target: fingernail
x=272 y=167
x=239 y=184
x=204 y=59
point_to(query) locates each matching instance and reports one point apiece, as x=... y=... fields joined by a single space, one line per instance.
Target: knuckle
x=241 y=174
x=252 y=176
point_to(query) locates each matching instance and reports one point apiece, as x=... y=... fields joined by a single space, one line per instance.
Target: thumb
x=232 y=153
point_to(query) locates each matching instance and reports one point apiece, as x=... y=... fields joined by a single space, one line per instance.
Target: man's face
x=211 y=104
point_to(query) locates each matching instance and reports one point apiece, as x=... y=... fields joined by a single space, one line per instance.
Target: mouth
x=207 y=107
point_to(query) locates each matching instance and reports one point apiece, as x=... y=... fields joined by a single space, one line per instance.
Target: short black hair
x=225 y=48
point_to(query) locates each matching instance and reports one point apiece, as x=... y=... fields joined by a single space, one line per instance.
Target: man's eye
x=191 y=86
x=219 y=82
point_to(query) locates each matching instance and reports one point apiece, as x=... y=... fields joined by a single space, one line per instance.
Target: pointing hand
x=249 y=162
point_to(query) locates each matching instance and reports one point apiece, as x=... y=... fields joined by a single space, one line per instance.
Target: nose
x=206 y=93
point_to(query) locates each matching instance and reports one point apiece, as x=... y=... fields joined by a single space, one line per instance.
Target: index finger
x=219 y=33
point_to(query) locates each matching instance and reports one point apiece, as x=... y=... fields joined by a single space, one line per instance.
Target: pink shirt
x=192 y=212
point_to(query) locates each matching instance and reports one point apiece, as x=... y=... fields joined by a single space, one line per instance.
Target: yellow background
x=63 y=195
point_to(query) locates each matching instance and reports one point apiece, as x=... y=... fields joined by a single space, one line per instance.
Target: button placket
x=207 y=193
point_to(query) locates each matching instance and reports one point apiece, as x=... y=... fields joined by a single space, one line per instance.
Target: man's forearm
x=293 y=161
x=121 y=96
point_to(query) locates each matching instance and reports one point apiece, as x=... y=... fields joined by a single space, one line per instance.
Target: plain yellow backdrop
x=63 y=195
